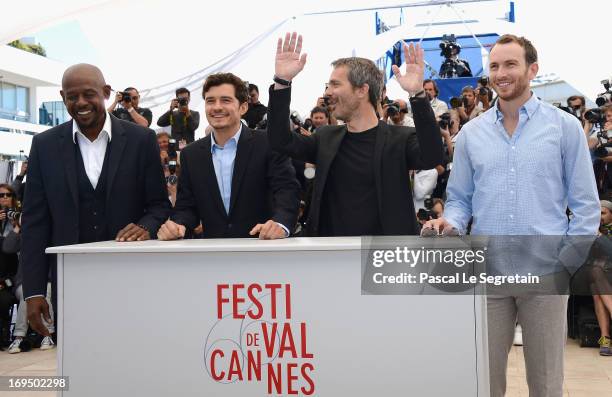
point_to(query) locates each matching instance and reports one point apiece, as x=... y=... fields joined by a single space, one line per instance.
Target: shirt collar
x=235 y=138
x=106 y=127
x=528 y=107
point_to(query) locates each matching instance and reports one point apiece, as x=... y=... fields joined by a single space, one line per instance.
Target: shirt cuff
x=284 y=228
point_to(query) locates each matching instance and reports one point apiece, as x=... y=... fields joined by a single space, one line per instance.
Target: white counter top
x=215 y=245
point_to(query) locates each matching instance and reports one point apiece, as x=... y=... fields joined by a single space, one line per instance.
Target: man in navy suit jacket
x=94 y=178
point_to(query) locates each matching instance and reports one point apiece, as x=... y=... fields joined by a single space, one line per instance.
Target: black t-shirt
x=255 y=114
x=350 y=203
x=123 y=114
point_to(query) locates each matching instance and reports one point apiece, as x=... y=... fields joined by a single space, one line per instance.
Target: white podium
x=164 y=319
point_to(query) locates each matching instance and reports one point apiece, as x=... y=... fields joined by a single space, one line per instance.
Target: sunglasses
x=5 y=195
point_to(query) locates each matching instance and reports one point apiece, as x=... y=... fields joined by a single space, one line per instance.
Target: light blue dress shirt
x=522 y=184
x=223 y=158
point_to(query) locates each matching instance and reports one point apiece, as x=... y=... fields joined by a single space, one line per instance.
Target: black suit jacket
x=263 y=187
x=398 y=149
x=136 y=193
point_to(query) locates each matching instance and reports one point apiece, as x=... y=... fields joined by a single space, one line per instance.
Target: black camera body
x=296 y=119
x=445 y=121
x=595 y=116
x=182 y=101
x=457 y=102
x=12 y=214
x=448 y=44
x=393 y=109
x=125 y=96
x=427 y=213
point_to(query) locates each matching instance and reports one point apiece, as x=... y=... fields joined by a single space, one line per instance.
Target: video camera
x=449 y=48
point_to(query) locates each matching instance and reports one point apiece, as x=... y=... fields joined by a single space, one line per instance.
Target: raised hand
x=412 y=81
x=288 y=61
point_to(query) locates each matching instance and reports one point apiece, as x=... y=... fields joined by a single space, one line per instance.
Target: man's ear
x=533 y=70
x=243 y=108
x=106 y=90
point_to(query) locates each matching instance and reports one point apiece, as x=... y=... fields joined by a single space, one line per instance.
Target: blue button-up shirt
x=224 y=158
x=523 y=183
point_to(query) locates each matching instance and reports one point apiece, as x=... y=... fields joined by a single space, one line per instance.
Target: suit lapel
x=209 y=174
x=117 y=145
x=329 y=145
x=243 y=154
x=69 y=160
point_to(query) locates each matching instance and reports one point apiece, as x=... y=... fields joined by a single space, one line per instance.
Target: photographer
x=183 y=121
x=18 y=185
x=257 y=110
x=431 y=89
x=169 y=159
x=129 y=110
x=453 y=66
x=577 y=106
x=598 y=127
x=466 y=105
x=9 y=219
x=484 y=93
x=396 y=113
x=319 y=116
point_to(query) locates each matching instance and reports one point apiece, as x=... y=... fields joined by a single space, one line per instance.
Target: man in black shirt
x=129 y=110
x=257 y=110
x=362 y=185
x=183 y=120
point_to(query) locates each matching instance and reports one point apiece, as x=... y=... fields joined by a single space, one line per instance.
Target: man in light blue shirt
x=516 y=170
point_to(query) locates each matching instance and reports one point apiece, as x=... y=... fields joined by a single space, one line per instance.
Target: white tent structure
x=158 y=46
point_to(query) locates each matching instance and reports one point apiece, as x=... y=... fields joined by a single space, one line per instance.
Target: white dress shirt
x=93 y=153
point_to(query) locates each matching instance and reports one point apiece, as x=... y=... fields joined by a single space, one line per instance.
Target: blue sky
x=66 y=43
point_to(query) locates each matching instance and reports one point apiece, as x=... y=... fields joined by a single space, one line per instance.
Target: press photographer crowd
x=494 y=160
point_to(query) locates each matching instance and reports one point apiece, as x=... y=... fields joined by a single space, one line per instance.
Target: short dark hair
x=531 y=54
x=436 y=89
x=253 y=87
x=131 y=89
x=182 y=90
x=319 y=109
x=363 y=71
x=240 y=88
x=162 y=133
x=574 y=97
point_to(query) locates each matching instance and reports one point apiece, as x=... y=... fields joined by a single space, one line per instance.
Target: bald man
x=93 y=178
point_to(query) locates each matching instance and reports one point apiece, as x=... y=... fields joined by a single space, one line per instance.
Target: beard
x=516 y=88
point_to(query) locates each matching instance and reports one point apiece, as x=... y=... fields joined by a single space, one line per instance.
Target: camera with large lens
x=125 y=96
x=296 y=119
x=427 y=213
x=393 y=109
x=595 y=116
x=604 y=97
x=452 y=67
x=307 y=124
x=182 y=101
x=12 y=214
x=172 y=179
x=483 y=81
x=172 y=149
x=445 y=121
x=456 y=102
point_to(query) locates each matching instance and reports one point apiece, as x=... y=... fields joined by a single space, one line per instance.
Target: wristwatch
x=282 y=81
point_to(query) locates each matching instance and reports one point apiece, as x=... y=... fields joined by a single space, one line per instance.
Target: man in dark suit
x=232 y=181
x=94 y=178
x=362 y=184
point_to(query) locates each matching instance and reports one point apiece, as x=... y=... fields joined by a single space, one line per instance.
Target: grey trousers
x=21 y=323
x=544 y=322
